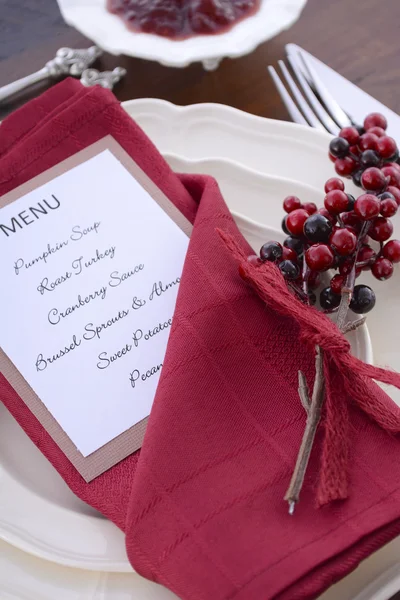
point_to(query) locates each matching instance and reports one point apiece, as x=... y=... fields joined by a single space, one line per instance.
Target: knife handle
x=7 y=91
x=67 y=61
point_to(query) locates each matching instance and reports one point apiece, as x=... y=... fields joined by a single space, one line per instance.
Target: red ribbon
x=343 y=372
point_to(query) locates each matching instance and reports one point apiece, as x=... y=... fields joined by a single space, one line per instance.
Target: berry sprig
x=337 y=243
x=346 y=234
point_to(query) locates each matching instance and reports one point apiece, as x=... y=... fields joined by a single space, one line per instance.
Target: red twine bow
x=342 y=371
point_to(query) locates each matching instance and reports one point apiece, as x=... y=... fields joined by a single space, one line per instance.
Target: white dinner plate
x=26 y=577
x=38 y=513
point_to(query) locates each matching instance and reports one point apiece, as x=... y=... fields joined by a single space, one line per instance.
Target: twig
x=313 y=417
x=304 y=392
x=353 y=325
x=318 y=397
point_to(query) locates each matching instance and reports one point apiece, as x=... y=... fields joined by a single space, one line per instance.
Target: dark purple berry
x=339 y=147
x=363 y=299
x=284 y=227
x=271 y=251
x=328 y=299
x=356 y=177
x=295 y=244
x=370 y=158
x=317 y=228
x=386 y=196
x=352 y=201
x=289 y=269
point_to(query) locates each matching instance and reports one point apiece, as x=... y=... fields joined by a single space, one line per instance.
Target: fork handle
x=7 y=91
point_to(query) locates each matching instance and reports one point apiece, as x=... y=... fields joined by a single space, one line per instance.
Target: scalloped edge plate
x=108 y=31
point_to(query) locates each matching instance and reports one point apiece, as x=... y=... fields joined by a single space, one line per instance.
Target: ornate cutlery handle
x=106 y=79
x=67 y=61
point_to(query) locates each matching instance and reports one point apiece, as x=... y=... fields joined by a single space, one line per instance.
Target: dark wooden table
x=358 y=38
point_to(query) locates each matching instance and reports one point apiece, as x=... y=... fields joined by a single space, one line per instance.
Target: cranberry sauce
x=180 y=19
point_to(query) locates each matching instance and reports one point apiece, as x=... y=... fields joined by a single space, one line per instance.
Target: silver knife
x=353 y=100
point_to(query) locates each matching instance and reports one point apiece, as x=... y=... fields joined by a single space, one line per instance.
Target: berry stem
x=305 y=276
x=313 y=417
x=316 y=404
x=347 y=290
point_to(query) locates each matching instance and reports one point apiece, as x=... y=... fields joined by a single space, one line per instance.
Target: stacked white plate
x=53 y=545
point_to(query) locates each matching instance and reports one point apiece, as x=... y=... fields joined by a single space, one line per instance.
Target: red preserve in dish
x=180 y=19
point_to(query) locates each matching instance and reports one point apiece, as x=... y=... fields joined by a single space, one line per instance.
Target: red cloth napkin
x=202 y=503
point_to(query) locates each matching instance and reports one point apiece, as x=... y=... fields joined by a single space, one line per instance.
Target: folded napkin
x=202 y=502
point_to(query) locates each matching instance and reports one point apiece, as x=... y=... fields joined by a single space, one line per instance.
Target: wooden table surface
x=358 y=38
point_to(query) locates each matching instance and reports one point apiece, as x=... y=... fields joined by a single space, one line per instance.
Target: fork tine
x=292 y=109
x=336 y=111
x=305 y=108
x=325 y=119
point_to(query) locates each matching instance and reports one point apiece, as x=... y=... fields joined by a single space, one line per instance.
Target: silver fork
x=309 y=102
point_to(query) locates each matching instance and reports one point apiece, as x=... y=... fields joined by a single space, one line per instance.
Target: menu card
x=91 y=258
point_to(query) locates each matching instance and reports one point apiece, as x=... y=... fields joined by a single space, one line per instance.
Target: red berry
x=368 y=141
x=242 y=273
x=337 y=283
x=319 y=257
x=350 y=219
x=394 y=165
x=331 y=157
x=346 y=266
x=365 y=254
x=395 y=192
x=388 y=207
x=382 y=268
x=394 y=175
x=334 y=183
x=377 y=131
x=391 y=250
x=310 y=207
x=350 y=134
x=375 y=120
x=336 y=202
x=325 y=213
x=352 y=229
x=373 y=179
x=355 y=150
x=345 y=166
x=289 y=254
x=386 y=146
x=381 y=229
x=343 y=241
x=253 y=259
x=295 y=221
x=291 y=203
x=367 y=207
x=314 y=280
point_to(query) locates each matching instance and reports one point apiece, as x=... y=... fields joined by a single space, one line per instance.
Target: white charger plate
x=38 y=513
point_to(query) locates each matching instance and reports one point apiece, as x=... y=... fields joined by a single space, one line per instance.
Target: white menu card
x=90 y=270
